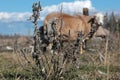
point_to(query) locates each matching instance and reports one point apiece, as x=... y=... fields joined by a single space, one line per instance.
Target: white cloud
x=77 y=6
x=68 y=7
x=14 y=16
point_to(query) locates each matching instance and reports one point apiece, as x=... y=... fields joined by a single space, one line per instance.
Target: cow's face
x=99 y=18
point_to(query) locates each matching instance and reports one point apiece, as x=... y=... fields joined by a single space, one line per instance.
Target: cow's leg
x=81 y=48
x=84 y=44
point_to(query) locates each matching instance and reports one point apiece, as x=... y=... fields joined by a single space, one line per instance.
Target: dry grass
x=15 y=67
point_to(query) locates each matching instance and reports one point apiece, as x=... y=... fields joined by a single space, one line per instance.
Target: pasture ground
x=15 y=67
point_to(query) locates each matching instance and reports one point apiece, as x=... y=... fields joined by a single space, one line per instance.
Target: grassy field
x=15 y=67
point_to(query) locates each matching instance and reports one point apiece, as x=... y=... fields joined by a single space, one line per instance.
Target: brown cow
x=67 y=24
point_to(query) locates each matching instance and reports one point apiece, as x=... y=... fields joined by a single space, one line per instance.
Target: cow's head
x=98 y=19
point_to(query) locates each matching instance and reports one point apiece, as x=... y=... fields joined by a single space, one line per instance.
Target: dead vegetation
x=15 y=66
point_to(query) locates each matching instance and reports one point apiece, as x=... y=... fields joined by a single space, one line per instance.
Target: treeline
x=112 y=22
x=7 y=36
